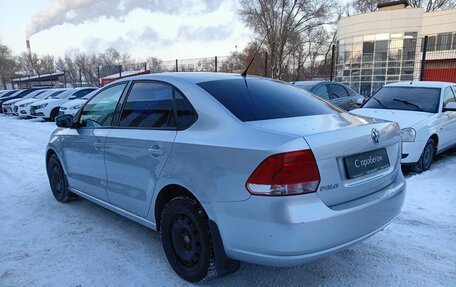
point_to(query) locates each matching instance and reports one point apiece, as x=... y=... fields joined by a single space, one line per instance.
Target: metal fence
x=367 y=65
x=101 y=75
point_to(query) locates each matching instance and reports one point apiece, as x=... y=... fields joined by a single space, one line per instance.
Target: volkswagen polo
x=230 y=168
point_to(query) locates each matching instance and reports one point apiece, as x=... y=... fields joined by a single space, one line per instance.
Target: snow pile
x=46 y=243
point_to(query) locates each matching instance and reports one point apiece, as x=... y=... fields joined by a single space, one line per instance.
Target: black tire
x=58 y=180
x=54 y=114
x=426 y=158
x=186 y=240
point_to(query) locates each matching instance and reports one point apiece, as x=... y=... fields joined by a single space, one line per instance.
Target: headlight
x=75 y=107
x=41 y=106
x=408 y=135
x=25 y=105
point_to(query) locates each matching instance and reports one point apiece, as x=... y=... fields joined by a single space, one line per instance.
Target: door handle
x=97 y=145
x=156 y=151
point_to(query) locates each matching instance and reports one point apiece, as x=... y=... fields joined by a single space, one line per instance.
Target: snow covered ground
x=46 y=243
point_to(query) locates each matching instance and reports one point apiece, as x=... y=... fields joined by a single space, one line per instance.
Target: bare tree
x=154 y=65
x=284 y=22
x=6 y=64
x=32 y=64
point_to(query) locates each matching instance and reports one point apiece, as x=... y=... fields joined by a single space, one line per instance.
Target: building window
x=444 y=41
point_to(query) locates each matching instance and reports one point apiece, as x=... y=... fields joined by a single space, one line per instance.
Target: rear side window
x=337 y=91
x=263 y=99
x=322 y=92
x=99 y=111
x=186 y=115
x=149 y=105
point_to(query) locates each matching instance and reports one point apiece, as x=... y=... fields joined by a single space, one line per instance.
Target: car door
x=448 y=120
x=339 y=96
x=138 y=148
x=84 y=146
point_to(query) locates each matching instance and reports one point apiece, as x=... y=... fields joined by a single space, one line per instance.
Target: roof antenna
x=411 y=82
x=244 y=74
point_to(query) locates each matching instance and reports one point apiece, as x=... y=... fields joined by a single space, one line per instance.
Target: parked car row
x=41 y=102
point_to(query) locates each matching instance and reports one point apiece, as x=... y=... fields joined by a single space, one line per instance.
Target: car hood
x=10 y=102
x=73 y=103
x=405 y=119
x=40 y=102
x=21 y=102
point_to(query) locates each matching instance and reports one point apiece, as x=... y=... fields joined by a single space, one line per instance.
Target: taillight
x=287 y=173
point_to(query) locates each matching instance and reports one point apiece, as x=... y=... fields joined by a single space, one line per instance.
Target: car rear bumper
x=288 y=231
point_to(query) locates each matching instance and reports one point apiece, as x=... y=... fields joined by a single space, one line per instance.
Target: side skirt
x=116 y=209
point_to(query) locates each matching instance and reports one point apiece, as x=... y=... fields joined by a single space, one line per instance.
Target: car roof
x=424 y=84
x=308 y=83
x=191 y=77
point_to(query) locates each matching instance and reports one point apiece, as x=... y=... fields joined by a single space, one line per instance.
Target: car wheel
x=186 y=239
x=426 y=158
x=58 y=180
x=54 y=114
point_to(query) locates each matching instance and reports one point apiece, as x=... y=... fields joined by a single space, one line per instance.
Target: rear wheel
x=186 y=239
x=426 y=158
x=58 y=180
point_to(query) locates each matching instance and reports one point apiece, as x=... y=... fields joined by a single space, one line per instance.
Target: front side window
x=149 y=105
x=322 y=92
x=337 y=91
x=99 y=111
x=406 y=98
x=448 y=96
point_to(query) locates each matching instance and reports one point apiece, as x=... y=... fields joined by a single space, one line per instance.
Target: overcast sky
x=167 y=29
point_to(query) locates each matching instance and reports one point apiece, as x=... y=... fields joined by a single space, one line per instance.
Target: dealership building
x=387 y=46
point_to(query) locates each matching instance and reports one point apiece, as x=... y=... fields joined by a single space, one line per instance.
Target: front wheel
x=54 y=114
x=426 y=158
x=186 y=239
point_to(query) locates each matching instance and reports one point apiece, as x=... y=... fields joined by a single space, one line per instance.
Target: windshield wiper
x=380 y=102
x=418 y=108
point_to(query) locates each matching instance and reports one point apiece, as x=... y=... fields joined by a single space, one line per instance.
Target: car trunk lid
x=352 y=164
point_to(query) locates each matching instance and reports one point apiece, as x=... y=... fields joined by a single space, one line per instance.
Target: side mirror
x=72 y=97
x=64 y=121
x=450 y=107
x=360 y=101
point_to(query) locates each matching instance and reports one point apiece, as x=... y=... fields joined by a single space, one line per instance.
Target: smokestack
x=27 y=43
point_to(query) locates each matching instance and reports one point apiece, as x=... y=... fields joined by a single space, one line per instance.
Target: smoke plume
x=79 y=11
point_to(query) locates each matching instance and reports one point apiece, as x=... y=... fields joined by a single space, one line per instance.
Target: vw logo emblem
x=375 y=134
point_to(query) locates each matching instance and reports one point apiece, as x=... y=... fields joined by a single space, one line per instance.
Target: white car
x=22 y=108
x=8 y=106
x=426 y=113
x=72 y=107
x=49 y=109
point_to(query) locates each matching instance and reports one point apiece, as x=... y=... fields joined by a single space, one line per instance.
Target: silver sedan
x=230 y=168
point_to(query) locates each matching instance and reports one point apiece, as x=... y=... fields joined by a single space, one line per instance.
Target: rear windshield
x=262 y=99
x=406 y=98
